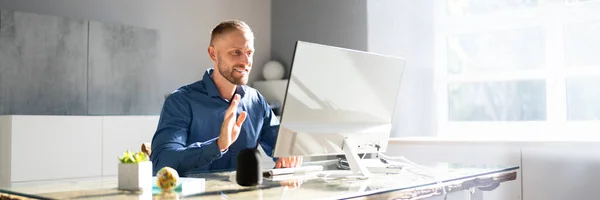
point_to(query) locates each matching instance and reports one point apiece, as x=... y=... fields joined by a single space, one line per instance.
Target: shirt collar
x=211 y=88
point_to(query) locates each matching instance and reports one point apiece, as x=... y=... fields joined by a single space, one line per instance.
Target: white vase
x=135 y=177
x=273 y=70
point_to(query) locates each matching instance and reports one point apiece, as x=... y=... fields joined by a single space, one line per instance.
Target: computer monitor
x=338 y=102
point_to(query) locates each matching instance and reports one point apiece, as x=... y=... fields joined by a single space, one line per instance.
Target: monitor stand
x=358 y=169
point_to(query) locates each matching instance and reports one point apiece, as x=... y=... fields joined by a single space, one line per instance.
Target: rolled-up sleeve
x=169 y=142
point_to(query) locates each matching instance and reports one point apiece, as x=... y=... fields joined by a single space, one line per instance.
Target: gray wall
x=43 y=60
x=62 y=66
x=122 y=68
x=183 y=28
x=341 y=23
x=401 y=28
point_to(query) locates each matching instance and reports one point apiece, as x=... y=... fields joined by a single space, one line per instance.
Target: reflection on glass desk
x=409 y=183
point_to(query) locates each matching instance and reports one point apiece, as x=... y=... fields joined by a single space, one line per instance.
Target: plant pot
x=135 y=176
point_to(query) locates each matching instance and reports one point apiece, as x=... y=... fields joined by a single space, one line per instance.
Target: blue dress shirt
x=190 y=123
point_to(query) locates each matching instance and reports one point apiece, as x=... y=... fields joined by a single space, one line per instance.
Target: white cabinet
x=50 y=147
x=36 y=148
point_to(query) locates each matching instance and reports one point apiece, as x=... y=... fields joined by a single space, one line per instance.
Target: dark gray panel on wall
x=43 y=64
x=341 y=23
x=123 y=70
x=4 y=70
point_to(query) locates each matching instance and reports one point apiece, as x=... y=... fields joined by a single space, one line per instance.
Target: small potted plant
x=135 y=171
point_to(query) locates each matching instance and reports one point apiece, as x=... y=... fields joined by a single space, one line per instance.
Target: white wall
x=554 y=171
x=5 y=146
x=184 y=28
x=404 y=28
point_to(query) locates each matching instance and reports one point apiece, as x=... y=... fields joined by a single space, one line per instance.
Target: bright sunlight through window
x=527 y=69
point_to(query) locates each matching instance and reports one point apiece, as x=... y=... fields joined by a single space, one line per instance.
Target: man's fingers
x=233 y=106
x=229 y=116
x=234 y=134
x=278 y=163
x=238 y=125
x=241 y=119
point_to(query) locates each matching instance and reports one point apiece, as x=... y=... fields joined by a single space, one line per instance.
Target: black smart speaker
x=248 y=169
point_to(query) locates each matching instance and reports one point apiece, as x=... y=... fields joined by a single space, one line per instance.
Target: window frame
x=552 y=18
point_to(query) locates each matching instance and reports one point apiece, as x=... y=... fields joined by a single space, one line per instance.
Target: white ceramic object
x=135 y=177
x=273 y=70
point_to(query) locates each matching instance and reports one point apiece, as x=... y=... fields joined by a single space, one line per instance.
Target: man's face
x=234 y=52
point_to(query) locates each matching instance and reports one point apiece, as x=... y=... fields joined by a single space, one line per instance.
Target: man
x=204 y=125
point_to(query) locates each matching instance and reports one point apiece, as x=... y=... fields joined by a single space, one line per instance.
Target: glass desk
x=409 y=183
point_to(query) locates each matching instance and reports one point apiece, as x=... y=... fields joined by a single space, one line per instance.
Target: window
x=517 y=68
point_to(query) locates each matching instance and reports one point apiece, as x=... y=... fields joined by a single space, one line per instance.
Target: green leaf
x=140 y=157
x=129 y=157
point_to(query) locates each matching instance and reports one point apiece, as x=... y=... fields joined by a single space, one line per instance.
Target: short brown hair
x=227 y=26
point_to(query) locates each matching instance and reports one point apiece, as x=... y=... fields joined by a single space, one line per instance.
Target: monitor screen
x=335 y=94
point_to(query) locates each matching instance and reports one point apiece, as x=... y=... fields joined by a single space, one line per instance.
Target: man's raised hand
x=230 y=129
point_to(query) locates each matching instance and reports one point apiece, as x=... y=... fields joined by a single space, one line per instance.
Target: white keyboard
x=282 y=171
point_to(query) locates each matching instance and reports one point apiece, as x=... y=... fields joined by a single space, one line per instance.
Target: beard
x=228 y=72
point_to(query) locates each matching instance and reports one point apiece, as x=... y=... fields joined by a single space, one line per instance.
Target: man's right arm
x=169 y=142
